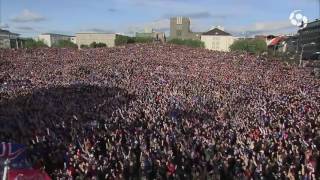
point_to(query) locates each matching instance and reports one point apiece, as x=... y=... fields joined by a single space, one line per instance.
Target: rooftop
x=2 y=31
x=95 y=33
x=310 y=25
x=217 y=32
x=56 y=34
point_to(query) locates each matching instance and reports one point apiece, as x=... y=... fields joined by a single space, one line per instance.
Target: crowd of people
x=159 y=111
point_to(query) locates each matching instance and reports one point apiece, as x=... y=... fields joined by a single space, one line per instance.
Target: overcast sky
x=31 y=17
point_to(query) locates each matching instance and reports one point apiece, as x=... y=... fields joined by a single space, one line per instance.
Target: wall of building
x=160 y=36
x=4 y=40
x=291 y=45
x=73 y=39
x=308 y=35
x=157 y=36
x=56 y=38
x=46 y=39
x=88 y=38
x=217 y=43
x=8 y=40
x=4 y=43
x=50 y=39
x=180 y=29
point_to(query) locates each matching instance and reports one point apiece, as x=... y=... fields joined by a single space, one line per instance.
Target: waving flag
x=19 y=167
x=12 y=151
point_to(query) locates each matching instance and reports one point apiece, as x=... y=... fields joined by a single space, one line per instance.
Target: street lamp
x=295 y=42
x=311 y=44
x=6 y=169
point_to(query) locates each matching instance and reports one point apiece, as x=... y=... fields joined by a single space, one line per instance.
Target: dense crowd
x=160 y=112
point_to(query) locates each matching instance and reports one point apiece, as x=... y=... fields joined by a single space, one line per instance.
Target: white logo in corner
x=298 y=19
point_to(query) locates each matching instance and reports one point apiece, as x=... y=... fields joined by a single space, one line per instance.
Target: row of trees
x=122 y=40
x=187 y=42
x=31 y=43
x=256 y=46
x=94 y=45
x=248 y=45
x=64 y=44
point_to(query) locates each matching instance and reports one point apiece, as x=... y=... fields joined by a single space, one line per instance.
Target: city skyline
x=32 y=17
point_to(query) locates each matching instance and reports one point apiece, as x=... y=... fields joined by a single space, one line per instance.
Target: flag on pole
x=15 y=166
x=13 y=152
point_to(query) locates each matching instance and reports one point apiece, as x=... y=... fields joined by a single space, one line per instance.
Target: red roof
x=275 y=41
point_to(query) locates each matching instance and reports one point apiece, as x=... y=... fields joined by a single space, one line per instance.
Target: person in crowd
x=164 y=112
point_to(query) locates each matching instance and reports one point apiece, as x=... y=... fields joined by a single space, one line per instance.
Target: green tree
x=97 y=45
x=131 y=40
x=121 y=40
x=143 y=39
x=64 y=44
x=93 y=45
x=187 y=42
x=100 y=45
x=82 y=46
x=31 y=43
x=249 y=45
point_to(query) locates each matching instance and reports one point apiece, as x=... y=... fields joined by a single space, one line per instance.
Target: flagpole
x=6 y=169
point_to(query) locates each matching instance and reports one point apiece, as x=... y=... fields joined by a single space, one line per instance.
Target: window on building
x=179 y=33
x=179 y=20
x=214 y=45
x=217 y=45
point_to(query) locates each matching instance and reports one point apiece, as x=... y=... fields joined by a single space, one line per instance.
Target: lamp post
x=302 y=49
x=6 y=169
x=295 y=42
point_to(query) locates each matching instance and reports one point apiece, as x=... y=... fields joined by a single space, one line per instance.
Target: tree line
x=247 y=45
x=31 y=43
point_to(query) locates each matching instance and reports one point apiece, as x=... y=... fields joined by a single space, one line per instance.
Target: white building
x=86 y=38
x=9 y=40
x=217 y=40
x=49 y=39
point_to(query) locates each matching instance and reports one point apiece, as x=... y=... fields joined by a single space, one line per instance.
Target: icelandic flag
x=19 y=169
x=11 y=151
